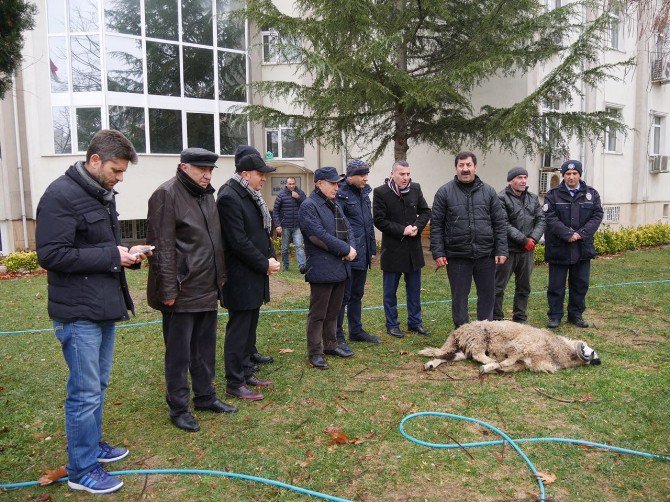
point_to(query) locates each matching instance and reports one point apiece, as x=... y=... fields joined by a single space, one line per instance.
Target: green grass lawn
x=624 y=402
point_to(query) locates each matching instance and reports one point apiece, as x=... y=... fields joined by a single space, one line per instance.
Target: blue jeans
x=413 y=290
x=88 y=348
x=294 y=235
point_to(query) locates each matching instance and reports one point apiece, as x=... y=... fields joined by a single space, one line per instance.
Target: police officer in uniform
x=573 y=213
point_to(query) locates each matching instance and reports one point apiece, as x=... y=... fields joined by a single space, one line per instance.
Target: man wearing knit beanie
x=525 y=226
x=573 y=214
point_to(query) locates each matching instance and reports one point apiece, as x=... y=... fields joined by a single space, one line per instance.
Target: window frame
x=613 y=135
x=280 y=147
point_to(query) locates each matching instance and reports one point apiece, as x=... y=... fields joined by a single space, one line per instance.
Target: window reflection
x=58 y=64
x=88 y=123
x=83 y=15
x=56 y=16
x=232 y=132
x=165 y=130
x=61 y=123
x=130 y=121
x=292 y=145
x=123 y=16
x=232 y=76
x=196 y=21
x=200 y=130
x=161 y=19
x=124 y=64
x=85 y=53
x=198 y=73
x=163 y=69
x=272 y=142
x=230 y=28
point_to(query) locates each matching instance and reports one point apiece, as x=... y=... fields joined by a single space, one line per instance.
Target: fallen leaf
x=38 y=423
x=303 y=464
x=309 y=454
x=39 y=436
x=337 y=435
x=370 y=434
x=546 y=477
x=586 y=398
x=51 y=475
x=285 y=351
x=405 y=352
x=359 y=441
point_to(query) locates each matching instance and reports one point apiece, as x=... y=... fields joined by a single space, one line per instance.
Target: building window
x=133 y=230
x=284 y=143
x=551 y=126
x=279 y=49
x=657 y=128
x=139 y=77
x=613 y=137
x=233 y=132
x=615 y=29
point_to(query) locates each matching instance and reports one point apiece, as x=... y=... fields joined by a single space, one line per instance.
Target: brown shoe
x=254 y=381
x=245 y=393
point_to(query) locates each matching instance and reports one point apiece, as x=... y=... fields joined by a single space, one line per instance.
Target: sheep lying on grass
x=510 y=346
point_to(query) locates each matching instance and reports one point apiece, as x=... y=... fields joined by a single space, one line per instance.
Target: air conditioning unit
x=658 y=164
x=660 y=71
x=549 y=180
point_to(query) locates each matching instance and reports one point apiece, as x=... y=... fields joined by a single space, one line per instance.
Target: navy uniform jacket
x=355 y=204
x=566 y=215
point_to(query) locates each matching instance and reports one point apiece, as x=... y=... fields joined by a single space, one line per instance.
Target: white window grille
x=611 y=214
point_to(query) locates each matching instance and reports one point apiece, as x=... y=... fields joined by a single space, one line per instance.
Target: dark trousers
x=461 y=271
x=325 y=301
x=578 y=275
x=354 y=288
x=190 y=346
x=521 y=265
x=239 y=345
x=413 y=292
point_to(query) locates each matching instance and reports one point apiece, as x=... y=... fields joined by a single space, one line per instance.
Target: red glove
x=529 y=245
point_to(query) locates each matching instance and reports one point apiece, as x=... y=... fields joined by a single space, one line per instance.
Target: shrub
x=21 y=261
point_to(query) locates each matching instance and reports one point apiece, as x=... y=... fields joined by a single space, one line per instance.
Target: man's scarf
x=258 y=200
x=396 y=189
x=340 y=225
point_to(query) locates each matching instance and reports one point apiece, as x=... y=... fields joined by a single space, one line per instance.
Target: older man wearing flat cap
x=186 y=276
x=250 y=259
x=573 y=213
x=328 y=245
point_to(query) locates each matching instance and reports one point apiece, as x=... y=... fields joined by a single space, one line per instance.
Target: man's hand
x=278 y=230
x=295 y=194
x=575 y=237
x=410 y=230
x=351 y=256
x=273 y=266
x=440 y=262
x=127 y=259
x=169 y=303
x=529 y=245
x=500 y=260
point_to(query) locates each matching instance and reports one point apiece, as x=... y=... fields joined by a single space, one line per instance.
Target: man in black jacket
x=468 y=235
x=285 y=215
x=400 y=213
x=186 y=275
x=250 y=260
x=79 y=244
x=573 y=213
x=525 y=226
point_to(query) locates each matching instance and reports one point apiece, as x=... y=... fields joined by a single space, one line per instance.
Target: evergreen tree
x=403 y=71
x=16 y=16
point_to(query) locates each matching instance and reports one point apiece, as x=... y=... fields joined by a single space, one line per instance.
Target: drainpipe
x=19 y=166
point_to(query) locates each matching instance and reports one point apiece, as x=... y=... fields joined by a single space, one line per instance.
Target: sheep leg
x=489 y=367
x=481 y=357
x=509 y=365
x=434 y=363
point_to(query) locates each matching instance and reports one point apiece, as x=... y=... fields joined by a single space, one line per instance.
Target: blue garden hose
x=401 y=426
x=511 y=442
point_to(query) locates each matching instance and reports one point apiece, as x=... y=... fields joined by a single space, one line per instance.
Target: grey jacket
x=525 y=218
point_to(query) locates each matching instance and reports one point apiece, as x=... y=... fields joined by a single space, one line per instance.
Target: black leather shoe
x=318 y=362
x=186 y=422
x=218 y=406
x=337 y=351
x=260 y=358
x=553 y=323
x=395 y=332
x=363 y=336
x=580 y=323
x=345 y=349
x=418 y=329
x=254 y=381
x=244 y=393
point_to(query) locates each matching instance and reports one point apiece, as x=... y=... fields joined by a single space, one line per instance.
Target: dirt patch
x=287 y=289
x=21 y=275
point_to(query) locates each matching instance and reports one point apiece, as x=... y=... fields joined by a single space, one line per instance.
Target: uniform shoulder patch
x=545 y=208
